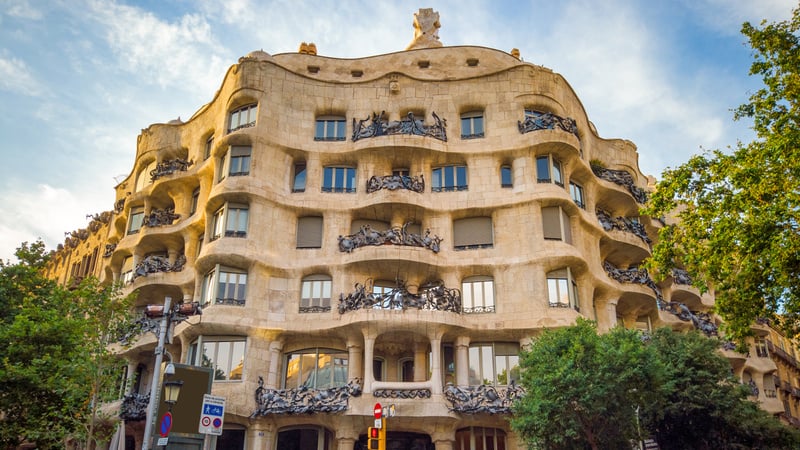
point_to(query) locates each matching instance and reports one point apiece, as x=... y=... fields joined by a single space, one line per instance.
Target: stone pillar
x=420 y=363
x=172 y=255
x=262 y=435
x=369 y=377
x=462 y=361
x=611 y=313
x=444 y=439
x=275 y=349
x=355 y=356
x=436 y=365
x=345 y=437
x=131 y=377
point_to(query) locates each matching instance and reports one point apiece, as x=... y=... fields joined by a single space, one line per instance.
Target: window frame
x=135 y=220
x=474 y=123
x=446 y=178
x=197 y=349
x=333 y=175
x=209 y=146
x=316 y=283
x=564 y=224
x=499 y=351
x=194 y=202
x=324 y=125
x=335 y=381
x=473 y=233
x=251 y=110
x=210 y=289
x=469 y=295
x=554 y=168
x=561 y=279
x=578 y=194
x=299 y=176
x=506 y=176
x=221 y=224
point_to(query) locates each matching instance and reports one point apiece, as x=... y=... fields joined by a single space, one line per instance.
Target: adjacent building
x=389 y=229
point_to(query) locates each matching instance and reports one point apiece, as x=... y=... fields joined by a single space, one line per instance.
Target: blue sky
x=79 y=79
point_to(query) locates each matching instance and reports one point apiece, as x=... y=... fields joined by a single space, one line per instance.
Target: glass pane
x=222 y=285
x=237 y=360
x=326 y=289
x=505 y=176
x=306 y=289
x=299 y=177
x=317 y=289
x=327 y=178
x=449 y=180
x=563 y=293
x=513 y=363
x=320 y=132
x=330 y=131
x=340 y=129
x=486 y=365
x=466 y=293
x=223 y=362
x=477 y=125
x=557 y=172
x=552 y=291
x=308 y=369
x=543 y=168
x=293 y=372
x=351 y=179
x=234 y=120
x=488 y=293
x=474 y=366
x=436 y=178
x=242 y=223
x=461 y=176
x=242 y=287
x=466 y=128
x=501 y=370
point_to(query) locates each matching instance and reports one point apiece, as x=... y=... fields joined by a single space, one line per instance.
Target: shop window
x=306 y=437
x=480 y=438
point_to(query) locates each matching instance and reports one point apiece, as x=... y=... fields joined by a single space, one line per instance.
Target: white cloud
x=23 y=10
x=16 y=76
x=181 y=54
x=727 y=16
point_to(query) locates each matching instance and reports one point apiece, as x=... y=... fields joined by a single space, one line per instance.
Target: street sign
x=378 y=411
x=378 y=424
x=166 y=424
x=211 y=415
x=390 y=411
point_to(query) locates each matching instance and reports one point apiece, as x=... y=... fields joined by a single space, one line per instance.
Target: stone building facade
x=387 y=229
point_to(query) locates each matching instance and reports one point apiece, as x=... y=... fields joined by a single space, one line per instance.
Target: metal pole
x=152 y=407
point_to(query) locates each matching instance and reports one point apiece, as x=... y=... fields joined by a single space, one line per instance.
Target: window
x=299 y=183
x=506 y=179
x=472 y=233
x=309 y=232
x=562 y=290
x=576 y=192
x=495 y=364
x=126 y=273
x=235 y=162
x=556 y=225
x=305 y=437
x=472 y=125
x=330 y=128
x=761 y=347
x=477 y=294
x=449 y=178
x=225 y=356
x=316 y=368
x=479 y=438
x=643 y=323
x=230 y=221
x=381 y=290
x=143 y=178
x=195 y=200
x=209 y=146
x=315 y=294
x=136 y=220
x=243 y=117
x=224 y=285
x=548 y=170
x=339 y=179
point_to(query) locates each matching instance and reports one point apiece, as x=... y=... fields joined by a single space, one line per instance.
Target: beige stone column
x=345 y=437
x=444 y=439
x=369 y=377
x=261 y=435
x=436 y=365
x=611 y=313
x=462 y=361
x=355 y=357
x=275 y=351
x=420 y=363
x=131 y=376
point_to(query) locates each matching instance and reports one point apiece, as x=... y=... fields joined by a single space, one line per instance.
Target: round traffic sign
x=378 y=410
x=217 y=422
x=206 y=421
x=166 y=424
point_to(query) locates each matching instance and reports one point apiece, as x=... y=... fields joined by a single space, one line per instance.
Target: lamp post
x=167 y=316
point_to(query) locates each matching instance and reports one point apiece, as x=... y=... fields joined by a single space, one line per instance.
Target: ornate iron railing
x=436 y=297
x=541 y=120
x=160 y=217
x=402 y=393
x=304 y=400
x=621 y=178
x=109 y=250
x=396 y=236
x=633 y=275
x=169 y=167
x=394 y=182
x=623 y=224
x=156 y=263
x=483 y=398
x=378 y=126
x=134 y=407
x=680 y=276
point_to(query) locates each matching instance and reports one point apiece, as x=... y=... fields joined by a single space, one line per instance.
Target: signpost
x=211 y=415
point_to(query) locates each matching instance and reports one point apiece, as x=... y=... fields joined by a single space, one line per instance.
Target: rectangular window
x=473 y=233
x=224 y=357
x=309 y=232
x=449 y=178
x=472 y=125
x=339 y=179
x=548 y=170
x=576 y=192
x=316 y=369
x=330 y=129
x=126 y=273
x=243 y=117
x=224 y=286
x=299 y=183
x=478 y=295
x=136 y=220
x=195 y=201
x=494 y=364
x=239 y=164
x=761 y=347
x=506 y=179
x=556 y=225
x=209 y=146
x=315 y=295
x=562 y=289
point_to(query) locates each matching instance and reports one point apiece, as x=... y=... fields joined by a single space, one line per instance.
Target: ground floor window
x=480 y=438
x=231 y=440
x=305 y=438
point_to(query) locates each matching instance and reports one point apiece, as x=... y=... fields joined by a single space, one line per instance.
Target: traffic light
x=374 y=438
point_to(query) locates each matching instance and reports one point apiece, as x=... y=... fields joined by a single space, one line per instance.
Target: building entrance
x=400 y=440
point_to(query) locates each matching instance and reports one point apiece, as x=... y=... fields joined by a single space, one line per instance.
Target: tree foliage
x=54 y=363
x=585 y=390
x=582 y=389
x=738 y=227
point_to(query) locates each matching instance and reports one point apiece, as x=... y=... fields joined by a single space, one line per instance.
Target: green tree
x=738 y=227
x=701 y=405
x=583 y=389
x=54 y=364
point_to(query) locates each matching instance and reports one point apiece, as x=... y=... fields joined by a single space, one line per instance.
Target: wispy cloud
x=22 y=9
x=17 y=77
x=727 y=16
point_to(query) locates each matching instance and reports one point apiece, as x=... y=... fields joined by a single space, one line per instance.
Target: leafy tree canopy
x=738 y=227
x=54 y=365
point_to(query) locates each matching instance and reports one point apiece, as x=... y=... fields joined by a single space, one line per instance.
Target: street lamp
x=167 y=316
